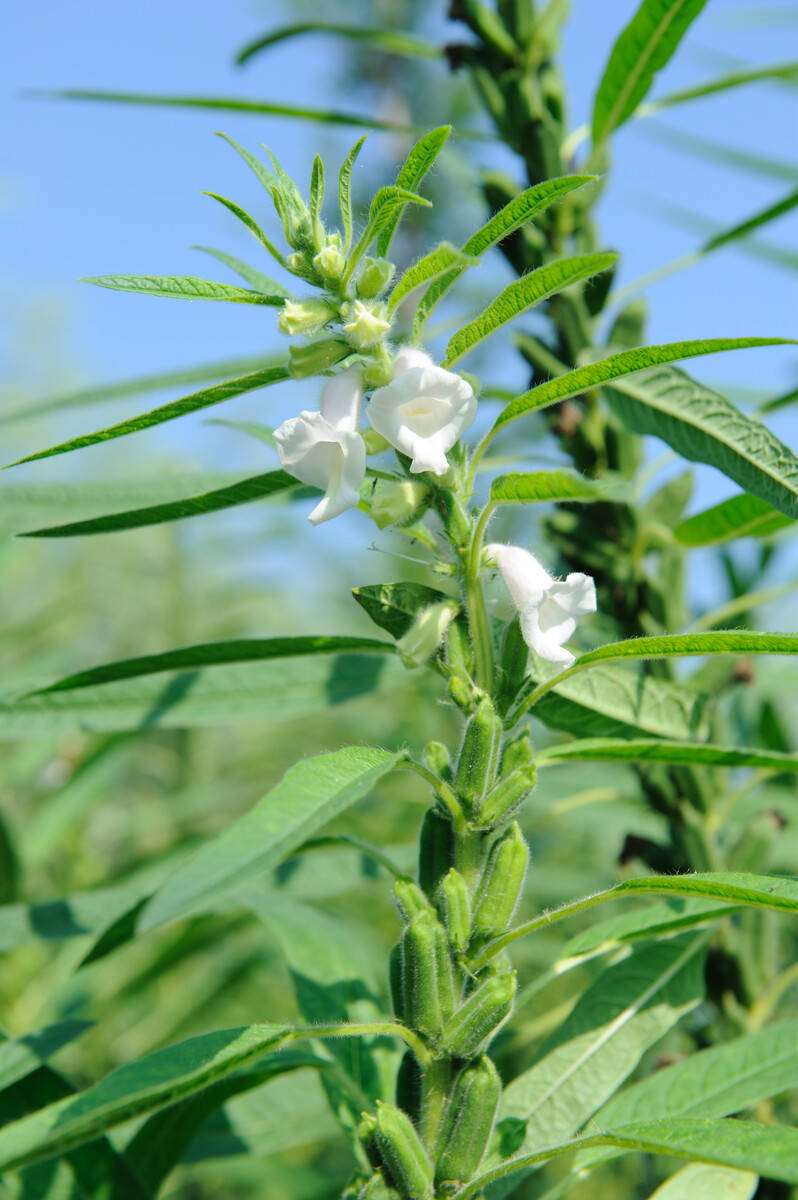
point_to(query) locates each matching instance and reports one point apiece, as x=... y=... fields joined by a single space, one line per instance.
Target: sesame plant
x=547 y=646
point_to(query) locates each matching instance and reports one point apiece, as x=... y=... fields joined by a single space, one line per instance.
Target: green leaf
x=781 y=401
x=386 y=207
x=432 y=266
x=643 y=48
x=309 y=795
x=271 y=691
x=657 y=920
x=520 y=295
x=184 y=287
x=317 y=195
x=394 y=606
x=385 y=40
x=627 y=362
x=345 y=191
x=517 y=212
x=533 y=486
x=259 y=281
x=255 y=429
x=737 y=517
x=257 y=487
x=706 y=149
x=699 y=1181
x=678 y=645
x=625 y=1011
x=787 y=72
x=169 y=412
x=413 y=170
x=24 y=1055
x=207 y=654
x=617 y=749
x=252 y=225
x=139 y=1087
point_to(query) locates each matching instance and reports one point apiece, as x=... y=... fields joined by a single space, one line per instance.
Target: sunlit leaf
x=699 y=1181
x=737 y=517
x=184 y=287
x=417 y=164
x=432 y=266
x=345 y=191
x=259 y=281
x=534 y=486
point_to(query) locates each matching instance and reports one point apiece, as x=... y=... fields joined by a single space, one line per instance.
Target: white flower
x=423 y=410
x=549 y=607
x=324 y=448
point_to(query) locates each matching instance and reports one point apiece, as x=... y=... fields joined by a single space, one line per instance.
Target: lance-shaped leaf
x=309 y=795
x=387 y=205
x=185 y=287
x=387 y=41
x=258 y=487
x=254 y=277
x=517 y=212
x=700 y=1181
x=345 y=191
x=169 y=412
x=737 y=517
x=520 y=295
x=538 y=486
x=412 y=171
x=657 y=920
x=700 y=754
x=706 y=149
x=208 y=654
x=251 y=224
x=643 y=48
x=432 y=266
x=786 y=71
x=627 y=362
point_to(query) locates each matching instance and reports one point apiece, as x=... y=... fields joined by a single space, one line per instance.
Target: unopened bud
x=378 y=369
x=317 y=357
x=378 y=1189
x=479 y=756
x=501 y=884
x=436 y=756
x=404 y=1153
x=461 y=693
x=375 y=277
x=366 y=324
x=330 y=262
x=504 y=800
x=409 y=898
x=468 y=1125
x=426 y=633
x=397 y=502
x=454 y=907
x=304 y=316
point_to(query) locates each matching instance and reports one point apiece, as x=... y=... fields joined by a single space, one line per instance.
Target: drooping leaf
x=254 y=277
x=699 y=1181
x=184 y=287
x=394 y=606
x=310 y=794
x=387 y=41
x=208 y=654
x=620 y=750
x=643 y=48
x=538 y=486
x=627 y=362
x=737 y=517
x=432 y=266
x=412 y=171
x=169 y=412
x=345 y=191
x=245 y=491
x=517 y=212
x=520 y=295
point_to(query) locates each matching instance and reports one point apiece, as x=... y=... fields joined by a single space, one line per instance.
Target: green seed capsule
x=479 y=756
x=436 y=850
x=469 y=1030
x=501 y=884
x=468 y=1124
x=518 y=753
x=377 y=1189
x=396 y=982
x=506 y=797
x=403 y=1153
x=454 y=907
x=409 y=898
x=408 y=1086
x=427 y=975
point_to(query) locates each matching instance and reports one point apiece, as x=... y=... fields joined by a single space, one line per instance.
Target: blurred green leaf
x=786 y=72
x=738 y=517
x=254 y=277
x=617 y=749
x=386 y=40
x=699 y=1181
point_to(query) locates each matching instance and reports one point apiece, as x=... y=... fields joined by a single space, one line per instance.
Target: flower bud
x=469 y=1030
x=504 y=800
x=501 y=884
x=397 y=502
x=461 y=693
x=378 y=371
x=454 y=907
x=468 y=1124
x=436 y=850
x=426 y=633
x=403 y=1153
x=436 y=756
x=409 y=898
x=304 y=316
x=427 y=976
x=479 y=756
x=316 y=357
x=375 y=277
x=330 y=262
x=366 y=324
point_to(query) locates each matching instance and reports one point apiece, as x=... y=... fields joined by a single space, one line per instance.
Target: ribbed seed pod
x=468 y=1124
x=377 y=1189
x=403 y=1153
x=396 y=982
x=501 y=884
x=454 y=907
x=518 y=753
x=469 y=1030
x=479 y=756
x=427 y=975
x=409 y=898
x=504 y=800
x=436 y=850
x=408 y=1086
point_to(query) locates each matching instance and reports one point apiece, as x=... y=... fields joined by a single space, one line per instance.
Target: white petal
x=340 y=400
x=408 y=357
x=423 y=411
x=314 y=451
x=527 y=580
x=428 y=456
x=547 y=644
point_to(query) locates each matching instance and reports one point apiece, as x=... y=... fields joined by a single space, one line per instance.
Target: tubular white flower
x=423 y=410
x=324 y=448
x=549 y=607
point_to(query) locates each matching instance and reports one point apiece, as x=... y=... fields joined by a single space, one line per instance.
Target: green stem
x=377 y=1029
x=443 y=790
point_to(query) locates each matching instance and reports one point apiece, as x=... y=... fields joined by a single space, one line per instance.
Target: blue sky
x=92 y=189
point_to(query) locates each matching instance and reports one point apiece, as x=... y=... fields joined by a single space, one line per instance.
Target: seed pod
x=469 y=1120
x=396 y=982
x=427 y=976
x=408 y=1086
x=506 y=797
x=454 y=908
x=403 y=1153
x=409 y=898
x=501 y=884
x=469 y=1030
x=436 y=850
x=479 y=756
x=377 y=1189
x=436 y=756
x=461 y=693
x=518 y=753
